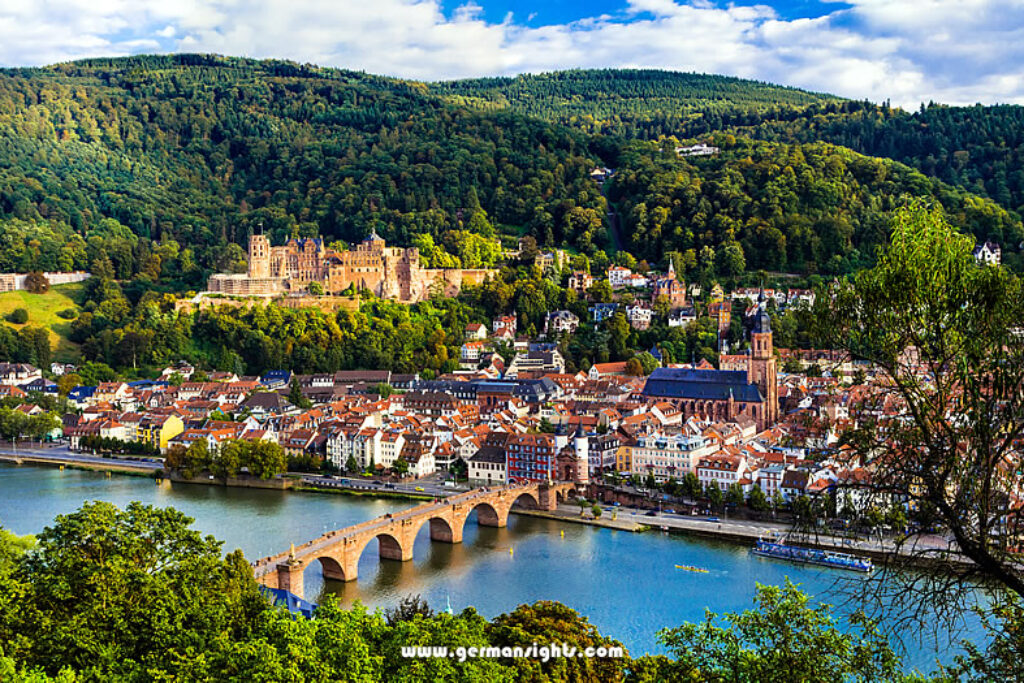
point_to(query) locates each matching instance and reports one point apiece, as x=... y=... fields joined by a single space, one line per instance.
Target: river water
x=625 y=583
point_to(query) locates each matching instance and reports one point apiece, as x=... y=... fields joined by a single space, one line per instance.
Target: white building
x=561 y=322
x=989 y=253
x=721 y=470
x=701 y=149
x=664 y=454
x=618 y=276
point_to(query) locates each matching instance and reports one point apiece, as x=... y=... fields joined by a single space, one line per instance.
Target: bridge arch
x=442 y=528
x=526 y=500
x=331 y=568
x=388 y=547
x=488 y=515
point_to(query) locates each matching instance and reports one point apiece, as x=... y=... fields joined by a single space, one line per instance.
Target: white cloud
x=956 y=51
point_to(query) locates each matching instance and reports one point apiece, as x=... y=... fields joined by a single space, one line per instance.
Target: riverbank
x=603 y=522
x=744 y=533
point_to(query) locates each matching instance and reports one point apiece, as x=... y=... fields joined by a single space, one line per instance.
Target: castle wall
x=243 y=285
x=388 y=272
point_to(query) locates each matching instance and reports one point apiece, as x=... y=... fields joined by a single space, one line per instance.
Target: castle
x=388 y=272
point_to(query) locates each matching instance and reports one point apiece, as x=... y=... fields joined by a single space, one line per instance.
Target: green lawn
x=42 y=312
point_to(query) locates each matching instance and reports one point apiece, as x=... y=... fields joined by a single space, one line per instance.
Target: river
x=625 y=583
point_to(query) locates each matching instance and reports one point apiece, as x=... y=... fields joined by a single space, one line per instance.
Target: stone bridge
x=338 y=551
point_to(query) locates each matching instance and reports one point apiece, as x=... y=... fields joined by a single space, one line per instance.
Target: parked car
x=651 y=513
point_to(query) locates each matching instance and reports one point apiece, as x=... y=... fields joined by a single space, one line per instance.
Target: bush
x=68 y=314
x=36 y=283
x=19 y=316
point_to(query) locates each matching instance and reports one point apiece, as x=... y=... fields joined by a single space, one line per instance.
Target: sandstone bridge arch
x=338 y=552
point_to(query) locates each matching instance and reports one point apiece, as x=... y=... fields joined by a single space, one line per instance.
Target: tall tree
x=946 y=335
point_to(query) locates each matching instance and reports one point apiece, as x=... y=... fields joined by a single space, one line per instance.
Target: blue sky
x=907 y=51
x=539 y=12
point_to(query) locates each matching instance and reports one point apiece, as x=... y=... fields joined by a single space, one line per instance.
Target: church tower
x=761 y=369
x=259 y=256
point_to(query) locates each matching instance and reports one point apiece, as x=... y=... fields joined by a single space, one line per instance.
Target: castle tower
x=761 y=366
x=259 y=256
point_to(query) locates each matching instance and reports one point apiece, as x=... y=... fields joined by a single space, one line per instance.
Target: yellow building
x=159 y=429
x=624 y=458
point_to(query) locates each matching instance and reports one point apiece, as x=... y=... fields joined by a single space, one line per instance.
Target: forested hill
x=979 y=148
x=199 y=149
x=617 y=100
x=165 y=164
x=757 y=205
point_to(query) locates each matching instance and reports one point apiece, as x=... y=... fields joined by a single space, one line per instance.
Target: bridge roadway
x=338 y=551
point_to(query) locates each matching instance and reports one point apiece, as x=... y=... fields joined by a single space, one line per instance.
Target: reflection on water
x=625 y=583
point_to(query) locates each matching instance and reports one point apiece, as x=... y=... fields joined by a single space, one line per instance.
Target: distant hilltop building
x=699 y=150
x=388 y=272
x=988 y=253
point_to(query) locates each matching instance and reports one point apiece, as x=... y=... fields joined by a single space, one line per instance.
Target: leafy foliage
x=783 y=639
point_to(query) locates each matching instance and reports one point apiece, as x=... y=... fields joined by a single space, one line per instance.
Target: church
x=726 y=395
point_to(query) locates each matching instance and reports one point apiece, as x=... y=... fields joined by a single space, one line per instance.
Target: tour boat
x=824 y=558
x=691 y=569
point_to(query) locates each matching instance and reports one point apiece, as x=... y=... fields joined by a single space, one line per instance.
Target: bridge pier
x=289 y=577
x=390 y=548
x=489 y=516
x=442 y=531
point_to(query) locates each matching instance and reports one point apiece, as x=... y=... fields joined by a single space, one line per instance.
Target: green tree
x=19 y=316
x=197 y=458
x=12 y=547
x=714 y=495
x=228 y=459
x=757 y=500
x=265 y=459
x=734 y=495
x=295 y=395
x=928 y=304
x=783 y=639
x=596 y=510
x=351 y=465
x=113 y=593
x=691 y=485
x=549 y=622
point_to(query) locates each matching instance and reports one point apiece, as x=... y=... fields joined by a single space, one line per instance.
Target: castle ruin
x=387 y=272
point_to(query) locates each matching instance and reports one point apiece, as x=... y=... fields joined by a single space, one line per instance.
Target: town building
x=560 y=322
x=580 y=281
x=601 y=312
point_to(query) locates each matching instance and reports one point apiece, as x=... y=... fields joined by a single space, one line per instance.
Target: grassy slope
x=42 y=312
